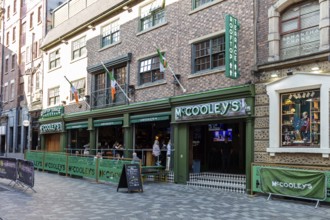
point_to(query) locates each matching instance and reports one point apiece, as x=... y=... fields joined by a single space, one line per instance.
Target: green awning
x=108 y=122
x=151 y=117
x=76 y=125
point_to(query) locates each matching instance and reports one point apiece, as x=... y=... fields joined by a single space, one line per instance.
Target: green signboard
x=110 y=169
x=231 y=38
x=150 y=117
x=222 y=108
x=108 y=122
x=51 y=128
x=52 y=112
x=76 y=125
x=82 y=166
x=55 y=162
x=36 y=157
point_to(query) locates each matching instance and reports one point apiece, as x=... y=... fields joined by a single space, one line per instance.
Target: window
x=15 y=7
x=12 y=91
x=152 y=14
x=39 y=14
x=209 y=54
x=21 y=89
x=301 y=118
x=300 y=32
x=80 y=86
x=31 y=20
x=23 y=35
x=150 y=70
x=6 y=65
x=110 y=33
x=13 y=61
x=54 y=59
x=35 y=50
x=197 y=3
x=79 y=48
x=99 y=94
x=54 y=96
x=8 y=12
x=7 y=39
x=28 y=55
x=37 y=80
x=5 y=93
x=14 y=34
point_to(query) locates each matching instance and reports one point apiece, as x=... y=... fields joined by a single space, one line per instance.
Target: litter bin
x=196 y=166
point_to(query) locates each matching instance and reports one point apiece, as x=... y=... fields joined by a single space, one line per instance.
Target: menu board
x=130 y=178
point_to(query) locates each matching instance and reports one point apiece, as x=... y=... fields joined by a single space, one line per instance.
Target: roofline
x=90 y=22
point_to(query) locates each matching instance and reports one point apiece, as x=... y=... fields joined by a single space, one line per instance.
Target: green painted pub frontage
x=196 y=126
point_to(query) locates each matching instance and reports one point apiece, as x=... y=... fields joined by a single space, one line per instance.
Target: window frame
x=12 y=91
x=81 y=90
x=14 y=35
x=8 y=12
x=222 y=45
x=13 y=61
x=15 y=7
x=194 y=4
x=154 y=70
x=153 y=13
x=31 y=20
x=39 y=14
x=55 y=97
x=56 y=60
x=6 y=65
x=112 y=34
x=298 y=82
x=81 y=47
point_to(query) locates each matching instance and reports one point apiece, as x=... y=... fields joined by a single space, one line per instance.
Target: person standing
x=226 y=150
x=156 y=151
x=168 y=155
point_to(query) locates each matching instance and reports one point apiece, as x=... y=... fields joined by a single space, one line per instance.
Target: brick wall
x=173 y=38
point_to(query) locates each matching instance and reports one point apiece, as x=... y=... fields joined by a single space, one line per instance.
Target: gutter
x=91 y=22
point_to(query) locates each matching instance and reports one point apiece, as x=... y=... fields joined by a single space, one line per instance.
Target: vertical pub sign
x=231 y=38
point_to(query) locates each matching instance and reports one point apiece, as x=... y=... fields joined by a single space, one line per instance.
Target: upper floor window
x=79 y=48
x=15 y=6
x=13 y=61
x=37 y=80
x=14 y=34
x=79 y=85
x=54 y=59
x=7 y=39
x=150 y=70
x=54 y=96
x=31 y=20
x=12 y=91
x=6 y=65
x=5 y=93
x=110 y=33
x=152 y=14
x=23 y=34
x=209 y=54
x=300 y=32
x=8 y=12
x=197 y=3
x=39 y=14
x=35 y=50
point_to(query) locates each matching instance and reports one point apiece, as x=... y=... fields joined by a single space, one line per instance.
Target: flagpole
x=183 y=89
x=116 y=83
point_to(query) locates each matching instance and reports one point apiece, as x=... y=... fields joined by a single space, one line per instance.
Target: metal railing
x=102 y=98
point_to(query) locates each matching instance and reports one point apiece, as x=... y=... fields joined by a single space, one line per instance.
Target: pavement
x=60 y=197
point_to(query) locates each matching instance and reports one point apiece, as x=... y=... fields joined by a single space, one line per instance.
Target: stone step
x=229 y=188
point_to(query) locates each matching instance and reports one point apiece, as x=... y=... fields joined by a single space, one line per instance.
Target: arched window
x=299 y=31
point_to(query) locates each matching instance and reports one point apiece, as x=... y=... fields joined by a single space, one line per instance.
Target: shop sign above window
x=51 y=128
x=232 y=27
x=52 y=112
x=227 y=108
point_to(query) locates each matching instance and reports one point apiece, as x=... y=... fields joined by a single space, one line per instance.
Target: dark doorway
x=208 y=151
x=3 y=145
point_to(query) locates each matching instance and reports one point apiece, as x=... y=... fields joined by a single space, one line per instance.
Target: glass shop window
x=300 y=119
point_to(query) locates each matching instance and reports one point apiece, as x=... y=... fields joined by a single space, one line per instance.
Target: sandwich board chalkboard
x=130 y=178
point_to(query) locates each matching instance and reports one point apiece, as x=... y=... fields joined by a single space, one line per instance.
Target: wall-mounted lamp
x=129 y=10
x=91 y=27
x=178 y=76
x=64 y=41
x=289 y=72
x=131 y=89
x=274 y=75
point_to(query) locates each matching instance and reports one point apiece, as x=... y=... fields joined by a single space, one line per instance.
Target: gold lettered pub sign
x=231 y=38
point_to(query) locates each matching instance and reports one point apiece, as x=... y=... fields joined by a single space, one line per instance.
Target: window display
x=300 y=118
